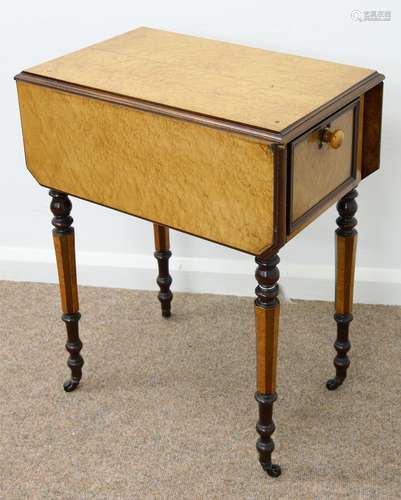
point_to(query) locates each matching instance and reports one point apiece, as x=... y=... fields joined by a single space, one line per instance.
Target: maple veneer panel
x=246 y=85
x=319 y=171
x=197 y=179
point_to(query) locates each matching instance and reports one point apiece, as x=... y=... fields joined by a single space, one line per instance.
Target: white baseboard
x=200 y=275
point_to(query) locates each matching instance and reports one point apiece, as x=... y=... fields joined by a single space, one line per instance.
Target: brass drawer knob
x=335 y=139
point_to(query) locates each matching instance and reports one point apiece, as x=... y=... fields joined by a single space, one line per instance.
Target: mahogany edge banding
x=283 y=136
x=152 y=107
x=280 y=201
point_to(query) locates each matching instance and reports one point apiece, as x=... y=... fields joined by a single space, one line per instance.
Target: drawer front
x=323 y=164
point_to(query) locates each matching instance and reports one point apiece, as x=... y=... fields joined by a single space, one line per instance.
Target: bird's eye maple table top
x=237 y=145
x=249 y=86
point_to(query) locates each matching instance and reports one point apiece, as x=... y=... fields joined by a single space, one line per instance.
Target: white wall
x=114 y=249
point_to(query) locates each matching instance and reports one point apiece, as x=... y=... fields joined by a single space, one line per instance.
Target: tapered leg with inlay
x=164 y=280
x=64 y=245
x=267 y=314
x=346 y=239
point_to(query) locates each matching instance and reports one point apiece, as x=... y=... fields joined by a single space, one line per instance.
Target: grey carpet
x=166 y=410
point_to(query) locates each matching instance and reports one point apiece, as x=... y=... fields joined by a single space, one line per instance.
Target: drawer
x=322 y=166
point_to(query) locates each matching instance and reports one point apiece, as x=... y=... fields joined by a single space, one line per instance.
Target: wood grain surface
x=372 y=130
x=246 y=85
x=162 y=238
x=210 y=183
x=64 y=246
x=318 y=171
x=345 y=271
x=267 y=330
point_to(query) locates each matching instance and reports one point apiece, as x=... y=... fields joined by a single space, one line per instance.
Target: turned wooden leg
x=164 y=280
x=63 y=237
x=346 y=239
x=267 y=314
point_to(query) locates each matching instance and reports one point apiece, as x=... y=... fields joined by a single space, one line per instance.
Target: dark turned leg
x=267 y=314
x=64 y=245
x=164 y=280
x=346 y=238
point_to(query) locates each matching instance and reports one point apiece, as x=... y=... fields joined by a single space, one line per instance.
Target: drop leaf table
x=240 y=146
